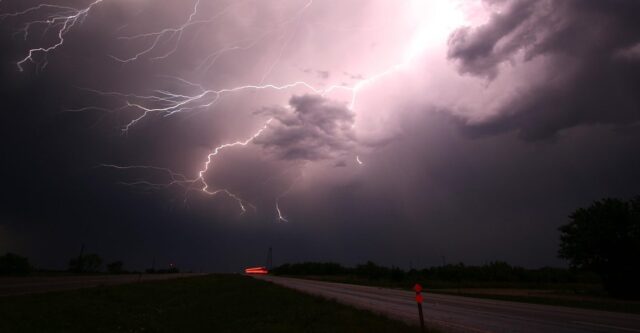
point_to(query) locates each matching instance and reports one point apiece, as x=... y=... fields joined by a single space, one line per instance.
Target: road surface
x=464 y=314
x=40 y=284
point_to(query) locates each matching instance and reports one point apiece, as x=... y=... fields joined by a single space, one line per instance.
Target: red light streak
x=256 y=270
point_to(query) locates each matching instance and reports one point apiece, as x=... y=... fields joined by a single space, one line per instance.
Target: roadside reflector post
x=418 y=289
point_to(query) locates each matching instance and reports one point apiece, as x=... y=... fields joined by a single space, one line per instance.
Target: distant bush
x=170 y=270
x=115 y=267
x=89 y=263
x=13 y=264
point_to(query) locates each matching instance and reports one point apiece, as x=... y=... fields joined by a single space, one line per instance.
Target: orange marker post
x=418 y=289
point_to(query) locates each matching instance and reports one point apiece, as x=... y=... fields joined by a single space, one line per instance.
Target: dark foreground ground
x=212 y=303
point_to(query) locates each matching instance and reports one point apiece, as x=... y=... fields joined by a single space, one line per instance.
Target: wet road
x=464 y=314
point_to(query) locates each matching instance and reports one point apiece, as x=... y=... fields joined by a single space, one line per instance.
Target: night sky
x=402 y=132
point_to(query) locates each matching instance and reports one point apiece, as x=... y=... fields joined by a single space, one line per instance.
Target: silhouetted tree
x=605 y=238
x=115 y=267
x=13 y=264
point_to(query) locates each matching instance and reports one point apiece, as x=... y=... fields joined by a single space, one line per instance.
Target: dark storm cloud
x=310 y=128
x=592 y=76
x=478 y=48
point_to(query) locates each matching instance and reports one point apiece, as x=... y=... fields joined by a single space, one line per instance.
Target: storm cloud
x=590 y=75
x=310 y=128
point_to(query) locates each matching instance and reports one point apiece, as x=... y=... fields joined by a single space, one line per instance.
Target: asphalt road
x=465 y=314
x=40 y=284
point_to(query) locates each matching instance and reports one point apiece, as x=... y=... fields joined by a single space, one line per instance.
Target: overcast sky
x=402 y=132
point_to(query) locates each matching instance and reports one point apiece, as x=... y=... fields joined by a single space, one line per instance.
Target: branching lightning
x=166 y=103
x=189 y=184
x=62 y=21
x=168 y=34
x=215 y=152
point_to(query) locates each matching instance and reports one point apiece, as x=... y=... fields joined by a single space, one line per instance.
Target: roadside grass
x=586 y=296
x=213 y=303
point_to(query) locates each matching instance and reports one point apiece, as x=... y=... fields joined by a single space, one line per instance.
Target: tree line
x=12 y=264
x=601 y=243
x=498 y=271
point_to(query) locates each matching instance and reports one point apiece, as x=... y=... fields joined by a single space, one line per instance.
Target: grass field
x=571 y=295
x=214 y=303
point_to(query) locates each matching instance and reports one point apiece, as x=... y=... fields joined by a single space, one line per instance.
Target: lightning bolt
x=177 y=33
x=281 y=217
x=62 y=22
x=181 y=180
x=168 y=103
x=175 y=103
x=217 y=150
x=169 y=34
